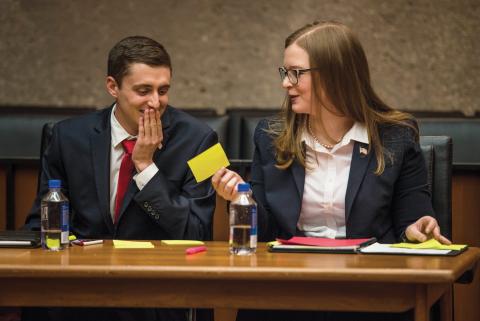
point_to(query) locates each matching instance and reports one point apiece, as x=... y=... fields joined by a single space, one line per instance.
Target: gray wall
x=424 y=55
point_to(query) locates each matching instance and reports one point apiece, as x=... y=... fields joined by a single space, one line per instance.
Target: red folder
x=322 y=241
x=320 y=245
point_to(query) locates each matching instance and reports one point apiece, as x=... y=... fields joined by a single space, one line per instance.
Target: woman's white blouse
x=326 y=180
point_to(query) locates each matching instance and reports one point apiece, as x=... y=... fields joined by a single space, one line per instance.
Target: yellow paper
x=120 y=244
x=207 y=163
x=53 y=243
x=273 y=243
x=182 y=242
x=430 y=244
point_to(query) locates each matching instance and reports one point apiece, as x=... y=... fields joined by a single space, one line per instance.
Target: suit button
x=149 y=208
x=157 y=217
x=145 y=204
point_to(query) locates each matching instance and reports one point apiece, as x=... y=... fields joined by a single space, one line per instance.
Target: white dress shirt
x=119 y=134
x=326 y=180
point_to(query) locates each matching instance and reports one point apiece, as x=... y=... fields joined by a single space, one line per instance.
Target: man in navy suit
x=161 y=200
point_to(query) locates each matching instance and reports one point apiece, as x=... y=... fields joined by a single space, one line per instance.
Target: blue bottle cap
x=243 y=187
x=54 y=183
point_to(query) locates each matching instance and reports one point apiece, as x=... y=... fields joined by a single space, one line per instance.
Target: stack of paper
x=430 y=247
x=319 y=244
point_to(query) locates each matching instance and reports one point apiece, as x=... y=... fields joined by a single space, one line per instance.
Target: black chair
x=214 y=121
x=240 y=142
x=47 y=132
x=20 y=128
x=437 y=151
x=465 y=133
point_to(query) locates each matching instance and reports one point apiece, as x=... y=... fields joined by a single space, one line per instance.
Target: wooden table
x=100 y=275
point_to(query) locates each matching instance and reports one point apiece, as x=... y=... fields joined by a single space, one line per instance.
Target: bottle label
x=44 y=214
x=65 y=223
x=253 y=229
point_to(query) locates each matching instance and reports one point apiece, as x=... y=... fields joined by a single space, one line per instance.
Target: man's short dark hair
x=135 y=49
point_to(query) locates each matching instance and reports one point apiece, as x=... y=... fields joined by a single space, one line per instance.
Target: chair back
x=437 y=151
x=47 y=132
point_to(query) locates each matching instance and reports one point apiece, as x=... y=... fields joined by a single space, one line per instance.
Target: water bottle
x=243 y=222
x=55 y=218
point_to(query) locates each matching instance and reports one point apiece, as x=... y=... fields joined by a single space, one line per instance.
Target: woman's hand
x=225 y=183
x=425 y=228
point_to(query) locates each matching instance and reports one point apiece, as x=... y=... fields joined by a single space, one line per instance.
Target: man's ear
x=112 y=86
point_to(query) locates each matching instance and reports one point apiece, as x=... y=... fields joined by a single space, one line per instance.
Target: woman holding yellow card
x=338 y=161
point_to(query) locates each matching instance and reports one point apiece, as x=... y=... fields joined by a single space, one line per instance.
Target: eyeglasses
x=293 y=74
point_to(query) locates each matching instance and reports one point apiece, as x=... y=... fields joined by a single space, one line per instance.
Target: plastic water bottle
x=55 y=218
x=243 y=222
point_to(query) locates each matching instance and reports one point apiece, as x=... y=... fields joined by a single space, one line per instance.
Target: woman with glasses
x=338 y=161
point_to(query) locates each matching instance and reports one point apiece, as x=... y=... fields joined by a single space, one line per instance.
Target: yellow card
x=182 y=242
x=207 y=163
x=53 y=243
x=430 y=244
x=120 y=244
x=273 y=243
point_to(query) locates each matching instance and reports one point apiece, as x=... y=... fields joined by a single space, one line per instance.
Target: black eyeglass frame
x=284 y=72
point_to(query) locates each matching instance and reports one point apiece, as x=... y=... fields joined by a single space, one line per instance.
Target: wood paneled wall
x=466 y=230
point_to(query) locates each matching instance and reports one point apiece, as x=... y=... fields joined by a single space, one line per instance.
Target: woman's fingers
x=425 y=228
x=225 y=183
x=217 y=177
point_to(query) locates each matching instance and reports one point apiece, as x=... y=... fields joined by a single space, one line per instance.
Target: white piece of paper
x=386 y=249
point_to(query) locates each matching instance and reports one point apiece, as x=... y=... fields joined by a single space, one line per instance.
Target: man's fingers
x=158 y=125
x=148 y=130
x=153 y=123
x=141 y=130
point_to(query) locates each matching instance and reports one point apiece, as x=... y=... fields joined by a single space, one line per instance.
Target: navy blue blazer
x=375 y=206
x=171 y=206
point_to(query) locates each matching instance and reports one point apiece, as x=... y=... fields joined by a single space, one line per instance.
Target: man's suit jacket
x=375 y=206
x=170 y=206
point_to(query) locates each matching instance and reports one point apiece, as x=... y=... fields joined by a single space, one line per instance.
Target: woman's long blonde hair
x=343 y=76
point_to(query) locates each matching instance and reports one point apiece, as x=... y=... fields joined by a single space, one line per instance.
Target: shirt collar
x=358 y=132
x=119 y=134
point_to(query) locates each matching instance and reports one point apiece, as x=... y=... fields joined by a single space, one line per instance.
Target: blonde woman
x=338 y=161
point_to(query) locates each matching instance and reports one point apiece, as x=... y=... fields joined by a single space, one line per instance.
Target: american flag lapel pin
x=363 y=151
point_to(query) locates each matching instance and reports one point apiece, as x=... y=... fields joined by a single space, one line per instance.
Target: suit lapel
x=100 y=141
x=299 y=176
x=129 y=194
x=358 y=168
